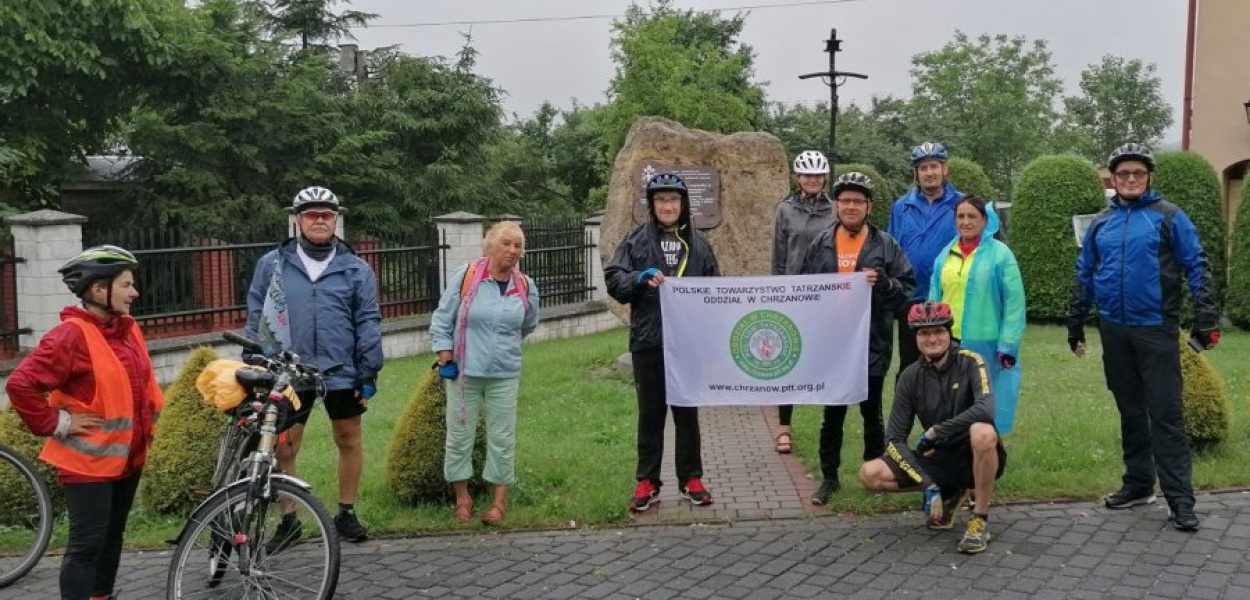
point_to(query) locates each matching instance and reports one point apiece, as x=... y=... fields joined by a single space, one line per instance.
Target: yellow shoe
x=976 y=536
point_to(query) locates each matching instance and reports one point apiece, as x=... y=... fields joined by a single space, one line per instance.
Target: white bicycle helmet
x=811 y=162
x=315 y=197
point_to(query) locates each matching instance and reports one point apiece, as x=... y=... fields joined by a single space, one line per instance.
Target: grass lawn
x=576 y=439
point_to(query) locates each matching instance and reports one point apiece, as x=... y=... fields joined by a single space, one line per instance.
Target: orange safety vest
x=104 y=451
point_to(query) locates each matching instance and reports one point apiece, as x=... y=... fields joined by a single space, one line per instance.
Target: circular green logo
x=765 y=344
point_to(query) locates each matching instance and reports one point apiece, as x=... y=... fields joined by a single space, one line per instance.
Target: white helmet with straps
x=811 y=162
x=315 y=197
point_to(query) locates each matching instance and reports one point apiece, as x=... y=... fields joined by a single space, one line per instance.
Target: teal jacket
x=496 y=325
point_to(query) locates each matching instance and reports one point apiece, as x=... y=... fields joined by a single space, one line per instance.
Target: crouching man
x=949 y=391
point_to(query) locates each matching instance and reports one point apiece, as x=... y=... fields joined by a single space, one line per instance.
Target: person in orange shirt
x=90 y=389
x=853 y=245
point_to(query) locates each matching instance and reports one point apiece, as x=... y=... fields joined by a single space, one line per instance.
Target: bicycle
x=253 y=522
x=25 y=518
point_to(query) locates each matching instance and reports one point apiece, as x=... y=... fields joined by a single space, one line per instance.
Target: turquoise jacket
x=993 y=318
x=497 y=323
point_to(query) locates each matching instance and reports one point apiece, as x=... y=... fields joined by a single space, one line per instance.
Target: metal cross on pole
x=833 y=46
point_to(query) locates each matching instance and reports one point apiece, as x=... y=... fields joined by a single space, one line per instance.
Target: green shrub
x=414 y=456
x=969 y=178
x=1205 y=401
x=184 y=451
x=1049 y=192
x=883 y=193
x=14 y=495
x=1187 y=180
x=1237 y=306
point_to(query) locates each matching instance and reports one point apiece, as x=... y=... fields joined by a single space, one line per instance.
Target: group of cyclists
x=90 y=389
x=956 y=290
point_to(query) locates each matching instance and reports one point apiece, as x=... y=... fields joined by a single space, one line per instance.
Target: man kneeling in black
x=949 y=391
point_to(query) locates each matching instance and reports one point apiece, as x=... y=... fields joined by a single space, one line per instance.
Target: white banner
x=794 y=339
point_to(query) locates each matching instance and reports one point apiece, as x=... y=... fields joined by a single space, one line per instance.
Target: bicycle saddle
x=251 y=378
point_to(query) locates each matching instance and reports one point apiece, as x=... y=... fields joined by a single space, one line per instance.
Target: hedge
x=1051 y=189
x=883 y=193
x=1237 y=306
x=414 y=456
x=1204 y=399
x=15 y=502
x=184 y=450
x=1187 y=180
x=969 y=178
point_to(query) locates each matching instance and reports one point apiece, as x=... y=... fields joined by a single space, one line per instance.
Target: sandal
x=784 y=444
x=494 y=516
x=464 y=512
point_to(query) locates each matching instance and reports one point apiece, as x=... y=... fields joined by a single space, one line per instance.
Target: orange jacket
x=104 y=451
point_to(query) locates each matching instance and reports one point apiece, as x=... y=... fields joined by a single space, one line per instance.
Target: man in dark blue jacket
x=923 y=222
x=1137 y=255
x=314 y=296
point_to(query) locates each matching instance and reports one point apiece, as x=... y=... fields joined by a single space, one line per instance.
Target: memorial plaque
x=702 y=182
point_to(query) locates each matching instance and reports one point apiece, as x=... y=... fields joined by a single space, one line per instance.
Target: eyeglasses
x=319 y=215
x=1127 y=175
x=853 y=202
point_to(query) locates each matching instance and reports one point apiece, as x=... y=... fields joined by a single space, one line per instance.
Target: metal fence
x=408 y=271
x=557 y=257
x=9 y=330
x=190 y=284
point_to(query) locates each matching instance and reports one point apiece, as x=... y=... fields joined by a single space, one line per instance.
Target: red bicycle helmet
x=930 y=314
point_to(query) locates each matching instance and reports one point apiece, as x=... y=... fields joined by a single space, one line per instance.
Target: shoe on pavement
x=289 y=531
x=1127 y=498
x=976 y=536
x=644 y=496
x=946 y=520
x=694 y=491
x=349 y=528
x=1182 y=517
x=827 y=488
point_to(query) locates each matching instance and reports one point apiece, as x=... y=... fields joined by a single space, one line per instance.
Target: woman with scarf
x=90 y=389
x=979 y=278
x=477 y=332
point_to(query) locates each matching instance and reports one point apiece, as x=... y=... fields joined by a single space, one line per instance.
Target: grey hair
x=500 y=228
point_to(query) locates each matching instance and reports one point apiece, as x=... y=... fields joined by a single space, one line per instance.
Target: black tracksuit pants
x=908 y=351
x=831 y=430
x=1143 y=370
x=652 y=415
x=97 y=520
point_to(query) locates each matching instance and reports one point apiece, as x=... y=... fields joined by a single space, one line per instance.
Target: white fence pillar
x=462 y=232
x=593 y=224
x=46 y=239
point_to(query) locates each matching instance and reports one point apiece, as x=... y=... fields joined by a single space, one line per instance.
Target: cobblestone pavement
x=1067 y=551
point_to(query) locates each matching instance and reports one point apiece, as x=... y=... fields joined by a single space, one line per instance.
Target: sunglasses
x=319 y=215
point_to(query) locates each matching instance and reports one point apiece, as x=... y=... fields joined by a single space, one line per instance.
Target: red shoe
x=644 y=495
x=694 y=491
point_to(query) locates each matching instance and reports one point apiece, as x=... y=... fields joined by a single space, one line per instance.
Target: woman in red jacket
x=90 y=389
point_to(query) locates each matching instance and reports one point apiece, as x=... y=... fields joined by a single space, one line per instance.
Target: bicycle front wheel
x=25 y=516
x=239 y=545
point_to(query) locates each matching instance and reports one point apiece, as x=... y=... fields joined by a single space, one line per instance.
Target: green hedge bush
x=1237 y=306
x=1205 y=401
x=184 y=451
x=969 y=178
x=883 y=192
x=1187 y=180
x=1051 y=189
x=414 y=456
x=14 y=499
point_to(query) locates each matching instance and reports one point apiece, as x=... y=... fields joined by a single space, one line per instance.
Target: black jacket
x=949 y=399
x=798 y=224
x=880 y=251
x=639 y=251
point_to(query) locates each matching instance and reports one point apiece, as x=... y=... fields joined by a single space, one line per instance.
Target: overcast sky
x=562 y=61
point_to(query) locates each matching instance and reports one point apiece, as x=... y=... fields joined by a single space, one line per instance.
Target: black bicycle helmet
x=853 y=181
x=95 y=264
x=666 y=182
x=1132 y=151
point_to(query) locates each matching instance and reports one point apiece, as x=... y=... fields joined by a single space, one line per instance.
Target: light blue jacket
x=497 y=323
x=335 y=320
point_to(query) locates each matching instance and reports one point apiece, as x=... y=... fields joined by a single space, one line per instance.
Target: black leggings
x=97 y=520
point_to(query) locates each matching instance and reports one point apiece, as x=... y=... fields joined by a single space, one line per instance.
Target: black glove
x=1205 y=337
x=924 y=445
x=883 y=280
x=1076 y=336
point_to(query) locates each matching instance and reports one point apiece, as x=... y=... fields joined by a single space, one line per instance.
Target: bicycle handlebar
x=247 y=344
